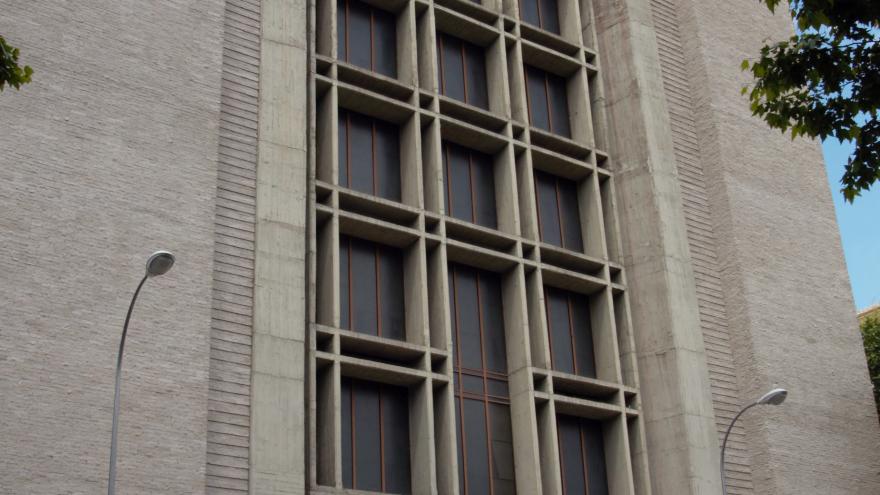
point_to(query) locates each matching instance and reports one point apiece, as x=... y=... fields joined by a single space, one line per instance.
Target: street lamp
x=157 y=264
x=774 y=398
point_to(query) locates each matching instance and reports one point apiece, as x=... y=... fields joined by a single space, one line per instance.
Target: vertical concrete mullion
x=410 y=162
x=677 y=403
x=579 y=108
x=506 y=195
x=445 y=438
x=416 y=297
x=496 y=66
x=516 y=78
x=327 y=30
x=527 y=203
x=327 y=146
x=432 y=165
x=592 y=222
x=407 y=49
x=540 y=343
x=422 y=442
x=428 y=63
x=527 y=453
x=620 y=477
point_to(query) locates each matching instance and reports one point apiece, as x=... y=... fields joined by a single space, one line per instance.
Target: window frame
x=381 y=392
x=555 y=27
x=588 y=456
x=486 y=398
x=347 y=281
x=561 y=218
x=579 y=341
x=380 y=132
x=560 y=83
x=343 y=32
x=478 y=202
x=467 y=50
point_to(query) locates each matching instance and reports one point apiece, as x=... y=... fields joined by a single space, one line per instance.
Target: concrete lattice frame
x=430 y=240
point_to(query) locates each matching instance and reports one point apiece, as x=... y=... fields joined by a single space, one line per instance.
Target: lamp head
x=774 y=397
x=159 y=263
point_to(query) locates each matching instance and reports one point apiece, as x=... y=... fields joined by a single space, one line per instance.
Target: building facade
x=430 y=247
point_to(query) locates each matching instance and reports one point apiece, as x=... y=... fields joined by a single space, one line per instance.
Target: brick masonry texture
x=702 y=245
x=232 y=312
x=789 y=306
x=109 y=154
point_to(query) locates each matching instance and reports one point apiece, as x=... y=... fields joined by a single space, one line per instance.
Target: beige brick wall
x=110 y=154
x=789 y=305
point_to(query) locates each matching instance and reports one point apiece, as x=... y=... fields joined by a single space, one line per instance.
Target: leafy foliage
x=10 y=72
x=871 y=337
x=825 y=81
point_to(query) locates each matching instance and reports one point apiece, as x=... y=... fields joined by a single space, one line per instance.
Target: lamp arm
x=724 y=444
x=111 y=483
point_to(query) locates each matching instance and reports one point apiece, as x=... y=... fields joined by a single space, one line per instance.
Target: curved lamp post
x=157 y=264
x=774 y=398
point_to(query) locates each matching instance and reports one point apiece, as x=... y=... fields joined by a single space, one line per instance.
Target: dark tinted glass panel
x=558 y=96
x=571 y=219
x=395 y=428
x=375 y=437
x=385 y=43
x=367 y=460
x=549 y=15
x=483 y=174
x=359 y=44
x=347 y=461
x=548 y=213
x=475 y=444
x=367 y=37
x=391 y=299
x=470 y=185
x=468 y=318
x=458 y=442
x=582 y=335
x=502 y=449
x=387 y=160
x=560 y=331
x=497 y=388
x=342 y=29
x=360 y=155
x=363 y=287
x=452 y=83
x=539 y=115
x=475 y=72
x=529 y=12
x=369 y=155
x=574 y=480
x=493 y=323
x=458 y=182
x=472 y=384
x=595 y=451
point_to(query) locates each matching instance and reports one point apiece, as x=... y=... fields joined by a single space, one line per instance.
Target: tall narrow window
x=571 y=335
x=558 y=211
x=548 y=101
x=369 y=155
x=375 y=437
x=462 y=70
x=367 y=36
x=541 y=13
x=371 y=288
x=581 y=456
x=470 y=185
x=482 y=399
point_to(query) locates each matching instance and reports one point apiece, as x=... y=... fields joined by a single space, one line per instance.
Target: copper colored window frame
x=559 y=210
x=485 y=374
x=350 y=289
x=546 y=77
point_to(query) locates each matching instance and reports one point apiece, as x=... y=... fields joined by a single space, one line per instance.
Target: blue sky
x=859 y=228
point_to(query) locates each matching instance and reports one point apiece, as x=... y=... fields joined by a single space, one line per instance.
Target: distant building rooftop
x=869 y=311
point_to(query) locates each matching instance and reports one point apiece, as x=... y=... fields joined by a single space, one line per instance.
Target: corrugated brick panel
x=701 y=240
x=232 y=317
